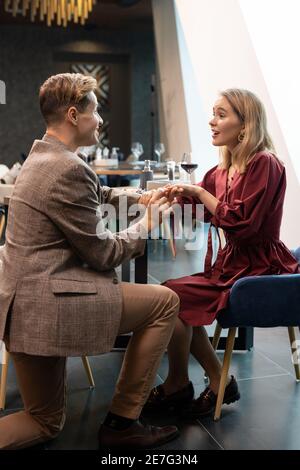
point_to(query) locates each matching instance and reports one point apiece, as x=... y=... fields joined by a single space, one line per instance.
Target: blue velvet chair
x=264 y=302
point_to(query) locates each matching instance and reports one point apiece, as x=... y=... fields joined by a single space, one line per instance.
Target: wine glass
x=159 y=149
x=137 y=149
x=188 y=166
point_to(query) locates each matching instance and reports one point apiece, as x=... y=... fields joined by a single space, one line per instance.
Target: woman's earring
x=241 y=136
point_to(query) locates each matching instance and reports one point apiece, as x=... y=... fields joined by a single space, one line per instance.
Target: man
x=59 y=293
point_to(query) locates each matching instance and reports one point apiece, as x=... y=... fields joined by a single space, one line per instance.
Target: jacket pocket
x=69 y=286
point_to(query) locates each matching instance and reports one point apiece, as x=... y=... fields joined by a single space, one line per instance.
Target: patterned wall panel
x=20 y=42
x=102 y=74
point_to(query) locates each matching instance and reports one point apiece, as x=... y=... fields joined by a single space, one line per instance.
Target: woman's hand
x=183 y=190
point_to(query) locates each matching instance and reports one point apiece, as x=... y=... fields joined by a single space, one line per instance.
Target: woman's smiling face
x=225 y=124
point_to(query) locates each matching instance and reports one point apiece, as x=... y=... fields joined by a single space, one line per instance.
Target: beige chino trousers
x=149 y=311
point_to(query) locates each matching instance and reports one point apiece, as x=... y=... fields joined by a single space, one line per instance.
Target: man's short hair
x=61 y=91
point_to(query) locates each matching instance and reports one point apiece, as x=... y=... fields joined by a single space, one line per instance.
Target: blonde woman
x=244 y=196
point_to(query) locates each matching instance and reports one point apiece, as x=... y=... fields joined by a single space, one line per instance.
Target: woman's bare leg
x=204 y=353
x=178 y=355
x=186 y=339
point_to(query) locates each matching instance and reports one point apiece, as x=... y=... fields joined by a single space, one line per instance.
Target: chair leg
x=3 y=382
x=217 y=335
x=215 y=342
x=292 y=336
x=225 y=369
x=2 y=223
x=173 y=248
x=169 y=235
x=88 y=371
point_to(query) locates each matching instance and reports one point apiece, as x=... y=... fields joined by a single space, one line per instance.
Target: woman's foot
x=161 y=401
x=205 y=404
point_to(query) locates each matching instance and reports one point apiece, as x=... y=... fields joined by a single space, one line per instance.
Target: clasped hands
x=162 y=200
x=170 y=192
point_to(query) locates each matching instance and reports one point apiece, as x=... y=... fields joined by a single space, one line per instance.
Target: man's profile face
x=89 y=123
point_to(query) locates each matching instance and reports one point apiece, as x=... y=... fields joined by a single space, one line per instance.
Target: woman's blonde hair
x=255 y=136
x=63 y=90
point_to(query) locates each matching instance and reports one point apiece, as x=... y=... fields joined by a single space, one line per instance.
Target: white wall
x=276 y=44
x=217 y=52
x=174 y=123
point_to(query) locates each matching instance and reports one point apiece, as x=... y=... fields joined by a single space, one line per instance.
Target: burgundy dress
x=249 y=212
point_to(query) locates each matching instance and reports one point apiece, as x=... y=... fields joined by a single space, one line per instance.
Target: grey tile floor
x=267 y=417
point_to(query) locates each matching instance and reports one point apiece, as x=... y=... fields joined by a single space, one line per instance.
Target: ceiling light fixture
x=62 y=11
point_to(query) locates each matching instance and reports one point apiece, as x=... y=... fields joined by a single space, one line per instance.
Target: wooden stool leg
x=172 y=247
x=169 y=235
x=2 y=224
x=292 y=336
x=225 y=369
x=216 y=338
x=3 y=382
x=88 y=371
x=215 y=342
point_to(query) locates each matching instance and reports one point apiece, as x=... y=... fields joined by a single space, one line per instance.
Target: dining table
x=131 y=169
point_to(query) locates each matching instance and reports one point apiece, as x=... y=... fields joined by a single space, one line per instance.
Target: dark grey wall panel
x=28 y=55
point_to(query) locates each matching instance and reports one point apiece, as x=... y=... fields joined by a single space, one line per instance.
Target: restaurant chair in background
x=4 y=371
x=168 y=233
x=2 y=221
x=5 y=192
x=264 y=302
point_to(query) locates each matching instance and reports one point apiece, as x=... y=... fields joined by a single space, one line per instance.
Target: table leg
x=141 y=267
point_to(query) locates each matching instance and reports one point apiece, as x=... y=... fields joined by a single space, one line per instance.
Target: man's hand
x=158 y=206
x=145 y=197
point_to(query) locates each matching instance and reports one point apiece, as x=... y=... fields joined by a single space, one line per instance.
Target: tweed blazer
x=59 y=292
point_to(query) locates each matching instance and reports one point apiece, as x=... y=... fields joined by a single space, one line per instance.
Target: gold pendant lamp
x=61 y=11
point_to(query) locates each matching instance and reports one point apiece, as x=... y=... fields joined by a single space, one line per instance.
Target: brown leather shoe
x=137 y=436
x=205 y=404
x=159 y=402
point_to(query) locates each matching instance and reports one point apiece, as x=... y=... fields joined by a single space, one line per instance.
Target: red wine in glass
x=189 y=167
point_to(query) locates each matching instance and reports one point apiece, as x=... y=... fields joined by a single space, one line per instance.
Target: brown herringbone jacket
x=56 y=274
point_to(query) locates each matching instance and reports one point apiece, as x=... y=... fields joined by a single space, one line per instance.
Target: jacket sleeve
x=243 y=218
x=112 y=195
x=73 y=204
